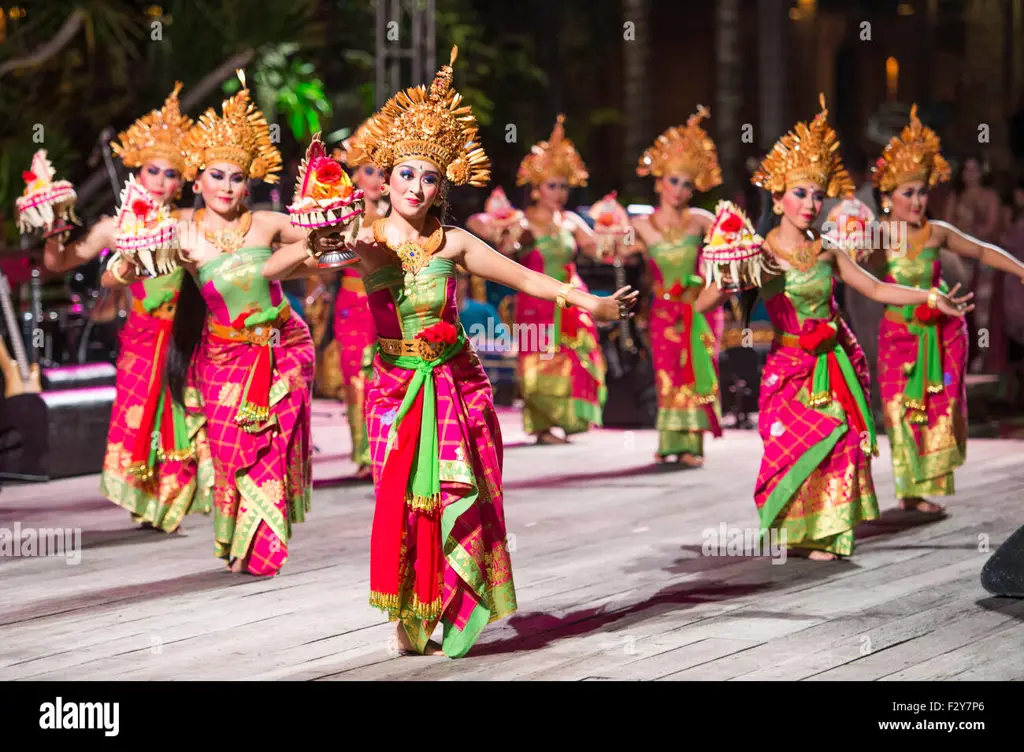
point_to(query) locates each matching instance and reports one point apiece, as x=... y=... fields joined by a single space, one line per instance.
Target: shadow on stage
x=654 y=468
x=537 y=630
x=125 y=595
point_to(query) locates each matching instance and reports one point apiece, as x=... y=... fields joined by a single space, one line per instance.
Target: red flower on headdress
x=140 y=207
x=732 y=223
x=328 y=173
x=28 y=176
x=677 y=289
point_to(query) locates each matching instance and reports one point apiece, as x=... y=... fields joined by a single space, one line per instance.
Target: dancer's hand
x=615 y=307
x=957 y=307
x=327 y=239
x=195 y=248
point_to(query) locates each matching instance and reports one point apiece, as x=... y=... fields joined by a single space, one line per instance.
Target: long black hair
x=767 y=222
x=186 y=329
x=186 y=333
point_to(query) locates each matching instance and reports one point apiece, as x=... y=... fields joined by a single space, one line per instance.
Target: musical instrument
x=19 y=376
x=23 y=411
x=625 y=335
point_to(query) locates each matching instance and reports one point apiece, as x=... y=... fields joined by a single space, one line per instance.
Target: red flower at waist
x=821 y=335
x=927 y=315
x=677 y=289
x=441 y=333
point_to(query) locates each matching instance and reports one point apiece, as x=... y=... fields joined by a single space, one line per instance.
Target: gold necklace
x=413 y=254
x=229 y=239
x=672 y=234
x=910 y=245
x=803 y=257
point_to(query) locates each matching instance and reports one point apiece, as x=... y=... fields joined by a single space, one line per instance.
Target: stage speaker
x=740 y=381
x=23 y=438
x=79 y=420
x=632 y=400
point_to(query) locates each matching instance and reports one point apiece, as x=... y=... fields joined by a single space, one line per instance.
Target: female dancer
x=685 y=344
x=504 y=227
x=564 y=385
x=160 y=481
x=353 y=323
x=438 y=550
x=815 y=480
x=235 y=334
x=922 y=356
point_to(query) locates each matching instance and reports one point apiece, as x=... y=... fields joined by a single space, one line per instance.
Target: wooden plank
x=610 y=576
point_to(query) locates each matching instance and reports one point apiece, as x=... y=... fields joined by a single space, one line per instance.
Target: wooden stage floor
x=612 y=581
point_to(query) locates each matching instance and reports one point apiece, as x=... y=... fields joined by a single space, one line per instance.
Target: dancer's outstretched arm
x=480 y=259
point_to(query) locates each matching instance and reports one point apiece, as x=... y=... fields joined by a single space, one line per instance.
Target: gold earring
x=385 y=189
x=777 y=209
x=535 y=194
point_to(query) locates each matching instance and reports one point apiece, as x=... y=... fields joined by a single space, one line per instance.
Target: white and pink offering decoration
x=847 y=228
x=732 y=252
x=611 y=224
x=46 y=204
x=326 y=197
x=145 y=231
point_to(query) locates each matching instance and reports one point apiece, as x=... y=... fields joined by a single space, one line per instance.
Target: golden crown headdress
x=807 y=153
x=431 y=125
x=156 y=135
x=686 y=149
x=914 y=155
x=239 y=135
x=353 y=152
x=556 y=156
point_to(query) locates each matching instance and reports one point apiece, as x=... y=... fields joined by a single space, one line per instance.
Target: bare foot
x=401 y=644
x=822 y=556
x=660 y=459
x=237 y=566
x=433 y=648
x=546 y=437
x=691 y=461
x=364 y=472
x=921 y=505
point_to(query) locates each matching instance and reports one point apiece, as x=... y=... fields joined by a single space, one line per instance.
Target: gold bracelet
x=933 y=298
x=117 y=277
x=566 y=289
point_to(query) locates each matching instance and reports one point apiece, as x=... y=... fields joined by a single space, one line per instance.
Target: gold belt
x=411 y=348
x=260 y=334
x=354 y=284
x=164 y=311
x=898 y=317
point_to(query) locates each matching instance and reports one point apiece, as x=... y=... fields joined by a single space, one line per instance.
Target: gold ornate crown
x=240 y=135
x=687 y=149
x=914 y=155
x=353 y=152
x=157 y=135
x=807 y=153
x=556 y=156
x=429 y=125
